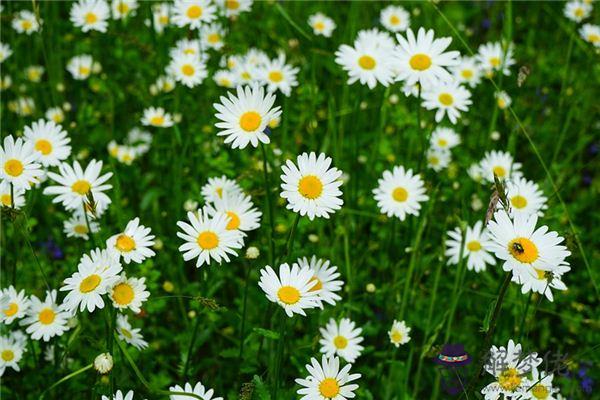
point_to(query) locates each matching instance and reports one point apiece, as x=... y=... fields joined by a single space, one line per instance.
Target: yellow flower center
x=80 y=229
x=250 y=121
x=123 y=8
x=396 y=336
x=442 y=142
x=214 y=38
x=219 y=191
x=8 y=355
x=157 y=120
x=446 y=99
x=579 y=12
x=319 y=26
x=593 y=37
x=90 y=18
x=540 y=392
x=43 y=146
x=420 y=62
x=329 y=388
x=400 y=194
x=275 y=76
x=318 y=285
x=125 y=243
x=208 y=240
x=194 y=12
x=394 y=20
x=58 y=118
x=509 y=379
x=234 y=221
x=126 y=333
x=123 y=294
x=6 y=200
x=288 y=294
x=367 y=62
x=46 y=316
x=163 y=19
x=519 y=201
x=13 y=167
x=310 y=187
x=499 y=171
x=433 y=160
x=187 y=70
x=26 y=25
x=81 y=186
x=523 y=250
x=474 y=245
x=246 y=76
x=467 y=73
x=84 y=71
x=89 y=283
x=495 y=62
x=501 y=103
x=232 y=4
x=340 y=342
x=541 y=275
x=11 y=310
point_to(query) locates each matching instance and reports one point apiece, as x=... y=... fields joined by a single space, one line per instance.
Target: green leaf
x=261 y=390
x=267 y=333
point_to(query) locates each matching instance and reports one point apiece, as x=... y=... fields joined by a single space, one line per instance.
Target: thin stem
x=276 y=372
x=458 y=280
x=244 y=308
x=524 y=318
x=289 y=243
x=66 y=378
x=37 y=260
x=269 y=207
x=12 y=196
x=191 y=347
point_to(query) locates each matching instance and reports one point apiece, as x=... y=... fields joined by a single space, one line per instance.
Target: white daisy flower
x=129 y=293
x=494 y=57
x=224 y=78
x=15 y=305
x=541 y=386
x=161 y=16
x=368 y=62
x=291 y=289
x=239 y=208
x=321 y=24
x=245 y=74
x=525 y=197
x=19 y=162
x=502 y=99
x=590 y=33
x=312 y=187
x=467 y=71
x=11 y=353
x=438 y=159
x=165 y=83
x=50 y=141
x=25 y=22
x=129 y=334
x=46 y=319
x=576 y=10
x=187 y=69
x=122 y=9
x=523 y=247
x=475 y=247
x=443 y=138
x=375 y=37
x=326 y=277
x=501 y=164
x=400 y=193
x=422 y=59
x=212 y=36
x=5 y=82
x=55 y=114
x=245 y=117
x=11 y=198
x=120 y=396
x=188 y=47
x=76 y=226
x=327 y=381
x=198 y=389
x=232 y=8
x=394 y=18
x=34 y=73
x=277 y=75
x=207 y=238
x=75 y=184
x=255 y=57
x=133 y=244
x=90 y=15
x=81 y=67
x=218 y=187
x=540 y=281
x=192 y=13
x=341 y=339
x=96 y=273
x=5 y=51
x=399 y=333
x=449 y=99
x=158 y=117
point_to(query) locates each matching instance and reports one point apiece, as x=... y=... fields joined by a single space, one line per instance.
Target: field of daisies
x=237 y=199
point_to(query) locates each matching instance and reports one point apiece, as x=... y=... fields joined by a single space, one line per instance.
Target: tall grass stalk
x=269 y=205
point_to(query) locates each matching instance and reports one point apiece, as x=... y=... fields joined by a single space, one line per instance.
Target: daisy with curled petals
x=212 y=36
x=326 y=278
x=467 y=71
x=5 y=51
x=341 y=339
x=244 y=117
x=278 y=75
x=321 y=24
x=193 y=13
x=449 y=99
x=96 y=273
x=81 y=67
x=46 y=319
x=501 y=164
x=11 y=353
x=422 y=59
x=291 y=289
x=207 y=238
x=474 y=250
x=400 y=193
x=218 y=187
x=525 y=197
x=541 y=386
x=120 y=396
x=128 y=334
x=90 y=15
x=133 y=244
x=25 y=22
x=443 y=138
x=55 y=114
x=243 y=216
x=523 y=247
x=16 y=305
x=312 y=187
x=494 y=57
x=77 y=226
x=577 y=10
x=187 y=69
x=588 y=32
x=542 y=282
x=129 y=293
x=395 y=18
x=233 y=8
x=11 y=198
x=75 y=184
x=326 y=380
x=510 y=371
x=399 y=333
x=158 y=117
x=19 y=163
x=50 y=141
x=367 y=63
x=198 y=389
x=121 y=9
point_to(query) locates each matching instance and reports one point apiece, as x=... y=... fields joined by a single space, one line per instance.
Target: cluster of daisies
x=137 y=143
x=441 y=142
x=198 y=389
x=578 y=11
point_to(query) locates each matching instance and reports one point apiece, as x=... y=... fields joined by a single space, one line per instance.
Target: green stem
x=289 y=243
x=458 y=280
x=244 y=309
x=524 y=318
x=191 y=347
x=37 y=260
x=269 y=206
x=276 y=371
x=66 y=378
